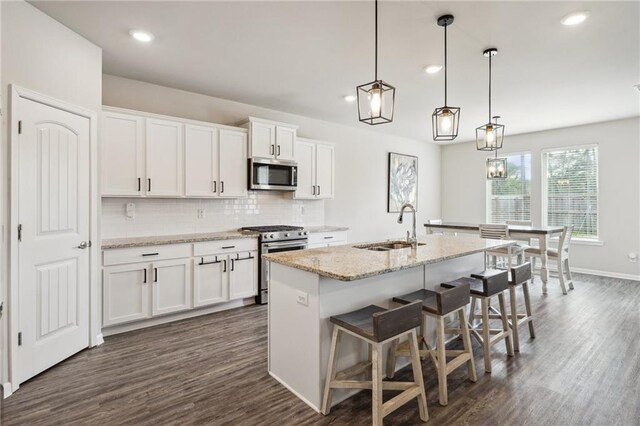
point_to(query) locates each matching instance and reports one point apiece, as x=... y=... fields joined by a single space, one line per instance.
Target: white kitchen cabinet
x=315 y=169
x=165 y=153
x=327 y=239
x=233 y=164
x=270 y=139
x=126 y=293
x=171 y=286
x=122 y=155
x=202 y=161
x=243 y=274
x=210 y=281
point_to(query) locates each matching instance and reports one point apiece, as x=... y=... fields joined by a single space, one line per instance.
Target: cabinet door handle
x=155 y=275
x=233 y=265
x=139 y=184
x=271 y=148
x=145 y=276
x=313 y=191
x=278 y=150
x=224 y=266
x=215 y=186
x=221 y=186
x=149 y=184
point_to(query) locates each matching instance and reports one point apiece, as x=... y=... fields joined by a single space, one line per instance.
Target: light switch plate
x=130 y=211
x=302 y=298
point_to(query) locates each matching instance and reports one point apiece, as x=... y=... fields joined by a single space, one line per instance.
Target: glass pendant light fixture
x=444 y=120
x=376 y=99
x=489 y=136
x=497 y=166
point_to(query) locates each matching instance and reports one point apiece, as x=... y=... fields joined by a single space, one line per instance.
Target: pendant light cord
x=376 y=41
x=490 y=87
x=445 y=65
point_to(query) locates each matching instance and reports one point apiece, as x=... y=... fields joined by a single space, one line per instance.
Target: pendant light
x=489 y=136
x=497 y=166
x=376 y=99
x=444 y=120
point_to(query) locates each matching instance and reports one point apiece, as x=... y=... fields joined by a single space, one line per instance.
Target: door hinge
x=20 y=232
x=20 y=339
x=20 y=127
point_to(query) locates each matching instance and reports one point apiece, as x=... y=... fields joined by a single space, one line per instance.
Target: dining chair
x=561 y=255
x=435 y=222
x=501 y=232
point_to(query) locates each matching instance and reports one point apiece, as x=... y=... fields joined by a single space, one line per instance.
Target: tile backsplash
x=154 y=216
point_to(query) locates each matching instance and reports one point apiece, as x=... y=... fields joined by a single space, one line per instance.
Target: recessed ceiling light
x=142 y=36
x=432 y=69
x=575 y=18
x=350 y=98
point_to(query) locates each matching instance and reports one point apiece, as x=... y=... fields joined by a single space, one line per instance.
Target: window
x=570 y=189
x=510 y=199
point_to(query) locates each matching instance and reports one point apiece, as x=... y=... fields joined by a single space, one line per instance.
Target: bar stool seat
x=437 y=304
x=483 y=286
x=377 y=326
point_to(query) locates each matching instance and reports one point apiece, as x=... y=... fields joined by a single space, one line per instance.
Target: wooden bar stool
x=520 y=276
x=439 y=303
x=377 y=326
x=488 y=284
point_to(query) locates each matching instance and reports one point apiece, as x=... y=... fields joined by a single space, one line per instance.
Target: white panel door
x=210 y=281
x=164 y=145
x=243 y=276
x=285 y=141
x=233 y=164
x=324 y=171
x=306 y=159
x=263 y=140
x=53 y=262
x=126 y=293
x=171 y=286
x=201 y=161
x=122 y=154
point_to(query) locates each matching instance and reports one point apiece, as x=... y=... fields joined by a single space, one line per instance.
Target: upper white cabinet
x=315 y=169
x=165 y=164
x=145 y=155
x=270 y=139
x=122 y=154
x=215 y=162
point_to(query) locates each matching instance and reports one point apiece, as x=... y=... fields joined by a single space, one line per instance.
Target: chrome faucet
x=411 y=239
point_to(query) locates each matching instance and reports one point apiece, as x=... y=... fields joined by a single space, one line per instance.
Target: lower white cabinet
x=171 y=287
x=243 y=275
x=125 y=293
x=327 y=239
x=209 y=281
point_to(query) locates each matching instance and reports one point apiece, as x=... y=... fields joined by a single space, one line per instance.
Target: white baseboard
x=606 y=274
x=303 y=399
x=7 y=389
x=123 y=328
x=99 y=339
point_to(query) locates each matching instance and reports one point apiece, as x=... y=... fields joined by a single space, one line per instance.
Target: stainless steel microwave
x=272 y=175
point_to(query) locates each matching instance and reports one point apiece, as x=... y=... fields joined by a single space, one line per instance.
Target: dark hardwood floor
x=582 y=368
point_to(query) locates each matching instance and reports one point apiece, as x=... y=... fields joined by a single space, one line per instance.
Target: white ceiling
x=302 y=57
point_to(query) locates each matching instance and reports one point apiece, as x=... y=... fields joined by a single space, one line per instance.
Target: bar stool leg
x=331 y=370
x=486 y=335
x=472 y=312
x=466 y=343
x=376 y=382
x=391 y=359
x=527 y=306
x=514 y=317
x=505 y=324
x=442 y=361
x=417 y=375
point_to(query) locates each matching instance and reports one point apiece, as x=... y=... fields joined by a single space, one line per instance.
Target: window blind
x=572 y=190
x=510 y=199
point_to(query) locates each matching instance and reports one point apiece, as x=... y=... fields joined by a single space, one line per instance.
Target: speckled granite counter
x=325 y=228
x=349 y=263
x=174 y=239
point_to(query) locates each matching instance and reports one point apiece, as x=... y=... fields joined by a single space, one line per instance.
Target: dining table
x=540 y=233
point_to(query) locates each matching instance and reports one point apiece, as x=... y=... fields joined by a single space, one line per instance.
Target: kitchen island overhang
x=307 y=287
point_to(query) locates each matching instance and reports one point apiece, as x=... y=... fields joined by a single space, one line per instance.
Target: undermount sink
x=386 y=246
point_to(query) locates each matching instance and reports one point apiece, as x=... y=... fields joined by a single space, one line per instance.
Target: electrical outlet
x=130 y=211
x=633 y=257
x=302 y=298
x=202 y=213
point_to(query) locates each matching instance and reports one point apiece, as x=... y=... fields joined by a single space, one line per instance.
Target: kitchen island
x=309 y=286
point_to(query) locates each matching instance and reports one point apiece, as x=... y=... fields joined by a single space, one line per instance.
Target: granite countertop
x=325 y=228
x=175 y=239
x=349 y=263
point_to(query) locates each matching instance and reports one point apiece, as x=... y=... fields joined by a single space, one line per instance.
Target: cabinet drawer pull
x=155 y=275
x=149 y=254
x=139 y=184
x=228 y=247
x=328 y=238
x=145 y=276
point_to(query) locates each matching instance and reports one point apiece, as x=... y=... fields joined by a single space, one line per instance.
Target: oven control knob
x=270 y=235
x=300 y=233
x=306 y=233
x=287 y=234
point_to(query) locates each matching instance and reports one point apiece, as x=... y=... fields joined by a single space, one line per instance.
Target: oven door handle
x=285 y=245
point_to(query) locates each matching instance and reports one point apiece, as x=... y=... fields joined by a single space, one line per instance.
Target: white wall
x=40 y=54
x=464 y=187
x=361 y=154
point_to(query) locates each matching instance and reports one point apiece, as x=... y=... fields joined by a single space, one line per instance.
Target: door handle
x=318 y=189
x=149 y=186
x=138 y=184
x=278 y=150
x=221 y=186
x=271 y=149
x=145 y=276
x=313 y=191
x=233 y=265
x=215 y=186
x=83 y=245
x=155 y=275
x=224 y=267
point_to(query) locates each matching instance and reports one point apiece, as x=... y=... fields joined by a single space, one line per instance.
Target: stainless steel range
x=275 y=239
